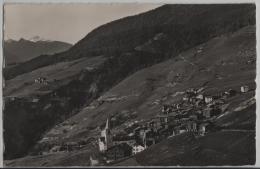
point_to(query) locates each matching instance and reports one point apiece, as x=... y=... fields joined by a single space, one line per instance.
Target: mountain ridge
x=22 y=50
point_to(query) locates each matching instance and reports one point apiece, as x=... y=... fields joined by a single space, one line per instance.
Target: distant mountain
x=24 y=50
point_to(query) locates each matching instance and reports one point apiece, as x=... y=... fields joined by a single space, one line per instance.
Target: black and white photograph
x=129 y=84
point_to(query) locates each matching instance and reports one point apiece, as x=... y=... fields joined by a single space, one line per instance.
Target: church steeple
x=105 y=141
x=107 y=124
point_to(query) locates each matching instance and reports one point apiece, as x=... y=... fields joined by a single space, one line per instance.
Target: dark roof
x=122 y=146
x=123 y=138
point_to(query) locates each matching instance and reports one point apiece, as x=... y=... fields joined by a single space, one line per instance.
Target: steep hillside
x=212 y=150
x=182 y=27
x=23 y=50
x=225 y=62
x=222 y=64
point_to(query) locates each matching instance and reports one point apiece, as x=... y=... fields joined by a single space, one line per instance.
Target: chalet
x=40 y=80
x=185 y=98
x=118 y=151
x=202 y=129
x=130 y=134
x=35 y=100
x=55 y=149
x=180 y=129
x=200 y=97
x=208 y=99
x=194 y=117
x=164 y=119
x=191 y=126
x=244 y=89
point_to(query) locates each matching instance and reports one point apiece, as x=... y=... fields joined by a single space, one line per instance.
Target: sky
x=63 y=22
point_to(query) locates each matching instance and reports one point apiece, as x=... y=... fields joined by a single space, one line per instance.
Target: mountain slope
x=23 y=50
x=217 y=65
x=183 y=25
x=79 y=76
x=186 y=150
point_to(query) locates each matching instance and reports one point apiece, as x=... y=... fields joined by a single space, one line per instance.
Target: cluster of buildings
x=41 y=80
x=195 y=113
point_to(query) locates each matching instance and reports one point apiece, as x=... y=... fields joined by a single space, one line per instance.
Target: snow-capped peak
x=37 y=38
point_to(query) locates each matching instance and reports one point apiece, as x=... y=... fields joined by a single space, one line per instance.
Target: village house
x=185 y=98
x=137 y=149
x=200 y=96
x=202 y=129
x=180 y=129
x=191 y=126
x=208 y=99
x=244 y=89
x=55 y=149
x=40 y=80
x=35 y=100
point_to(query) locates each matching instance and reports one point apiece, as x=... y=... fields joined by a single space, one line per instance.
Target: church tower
x=105 y=141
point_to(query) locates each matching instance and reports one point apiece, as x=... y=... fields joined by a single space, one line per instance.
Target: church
x=105 y=141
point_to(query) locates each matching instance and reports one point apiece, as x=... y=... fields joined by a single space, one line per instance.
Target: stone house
x=191 y=126
x=244 y=89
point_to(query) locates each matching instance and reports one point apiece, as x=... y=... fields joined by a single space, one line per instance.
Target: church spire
x=107 y=124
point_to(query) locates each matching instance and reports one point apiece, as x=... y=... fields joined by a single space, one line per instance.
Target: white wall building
x=244 y=89
x=208 y=99
x=137 y=149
